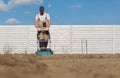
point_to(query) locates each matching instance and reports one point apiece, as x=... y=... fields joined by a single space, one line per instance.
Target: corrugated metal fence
x=65 y=39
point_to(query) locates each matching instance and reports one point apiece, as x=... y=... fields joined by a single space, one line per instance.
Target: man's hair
x=41 y=8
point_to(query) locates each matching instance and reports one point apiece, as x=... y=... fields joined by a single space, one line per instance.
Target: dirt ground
x=59 y=66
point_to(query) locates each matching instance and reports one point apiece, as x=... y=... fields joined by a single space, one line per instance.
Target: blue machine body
x=44 y=52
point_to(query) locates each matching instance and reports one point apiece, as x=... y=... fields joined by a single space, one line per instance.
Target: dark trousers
x=43 y=43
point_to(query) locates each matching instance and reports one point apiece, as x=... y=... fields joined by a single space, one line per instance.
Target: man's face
x=41 y=11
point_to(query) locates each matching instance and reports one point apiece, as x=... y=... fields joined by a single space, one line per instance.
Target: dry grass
x=59 y=66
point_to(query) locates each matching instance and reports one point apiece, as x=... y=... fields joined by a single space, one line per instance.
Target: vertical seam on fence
x=27 y=38
x=70 y=39
x=113 y=46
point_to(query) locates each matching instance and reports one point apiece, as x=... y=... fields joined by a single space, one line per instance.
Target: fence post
x=82 y=46
x=86 y=47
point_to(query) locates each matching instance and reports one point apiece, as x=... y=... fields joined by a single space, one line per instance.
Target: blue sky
x=62 y=12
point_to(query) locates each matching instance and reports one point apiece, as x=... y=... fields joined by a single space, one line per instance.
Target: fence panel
x=65 y=39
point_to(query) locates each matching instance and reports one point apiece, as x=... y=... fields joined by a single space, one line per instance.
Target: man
x=42 y=24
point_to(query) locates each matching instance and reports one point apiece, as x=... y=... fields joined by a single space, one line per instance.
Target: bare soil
x=59 y=66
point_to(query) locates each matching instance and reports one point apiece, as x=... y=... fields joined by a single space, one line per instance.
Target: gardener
x=42 y=24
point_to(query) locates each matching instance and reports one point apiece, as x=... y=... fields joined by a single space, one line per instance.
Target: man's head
x=41 y=9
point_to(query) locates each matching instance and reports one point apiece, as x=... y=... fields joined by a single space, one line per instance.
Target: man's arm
x=36 y=24
x=36 y=21
x=49 y=23
x=48 y=20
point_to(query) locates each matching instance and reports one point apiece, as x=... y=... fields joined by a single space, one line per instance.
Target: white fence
x=66 y=39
